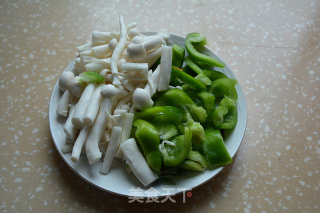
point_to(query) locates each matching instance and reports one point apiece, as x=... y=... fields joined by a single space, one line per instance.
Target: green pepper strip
x=225 y=115
x=174 y=155
x=208 y=101
x=196 y=39
x=187 y=79
x=214 y=75
x=177 y=55
x=224 y=87
x=148 y=138
x=201 y=75
x=174 y=97
x=215 y=150
x=161 y=114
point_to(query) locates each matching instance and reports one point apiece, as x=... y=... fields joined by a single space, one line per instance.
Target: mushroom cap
x=141 y=99
x=109 y=91
x=64 y=80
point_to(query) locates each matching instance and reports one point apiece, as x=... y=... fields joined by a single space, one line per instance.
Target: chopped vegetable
x=177 y=56
x=175 y=154
x=165 y=68
x=214 y=149
x=224 y=87
x=225 y=115
x=137 y=163
x=194 y=41
x=187 y=79
x=148 y=138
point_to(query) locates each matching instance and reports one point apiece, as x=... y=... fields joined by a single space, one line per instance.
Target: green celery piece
x=91 y=77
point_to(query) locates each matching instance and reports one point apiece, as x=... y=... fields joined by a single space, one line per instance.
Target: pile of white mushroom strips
x=104 y=112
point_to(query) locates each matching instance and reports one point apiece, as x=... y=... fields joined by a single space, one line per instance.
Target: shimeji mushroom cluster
x=104 y=111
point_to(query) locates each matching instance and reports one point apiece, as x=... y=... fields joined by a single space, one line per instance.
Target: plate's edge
x=218 y=170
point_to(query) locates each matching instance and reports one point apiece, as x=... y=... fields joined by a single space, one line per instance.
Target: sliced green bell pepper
x=214 y=149
x=160 y=114
x=197 y=112
x=224 y=87
x=166 y=130
x=214 y=75
x=149 y=140
x=195 y=162
x=194 y=41
x=198 y=135
x=174 y=97
x=177 y=55
x=174 y=154
x=225 y=115
x=208 y=101
x=187 y=79
x=201 y=75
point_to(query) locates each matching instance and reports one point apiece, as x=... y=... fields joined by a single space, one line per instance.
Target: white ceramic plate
x=118 y=181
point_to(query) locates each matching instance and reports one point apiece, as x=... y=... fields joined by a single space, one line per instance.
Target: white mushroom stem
x=101 y=51
x=113 y=44
x=70 y=130
x=81 y=106
x=78 y=65
x=153 y=81
x=150 y=58
x=63 y=105
x=111 y=150
x=93 y=107
x=138 y=39
x=137 y=162
x=139 y=51
x=119 y=117
x=132 y=25
x=77 y=147
x=127 y=126
x=141 y=99
x=92 y=143
x=124 y=100
x=86 y=53
x=84 y=47
x=133 y=32
x=66 y=148
x=99 y=38
x=165 y=68
x=134 y=67
x=76 y=86
x=64 y=79
x=97 y=65
x=117 y=52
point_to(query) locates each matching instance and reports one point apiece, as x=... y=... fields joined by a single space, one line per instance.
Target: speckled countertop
x=272 y=47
